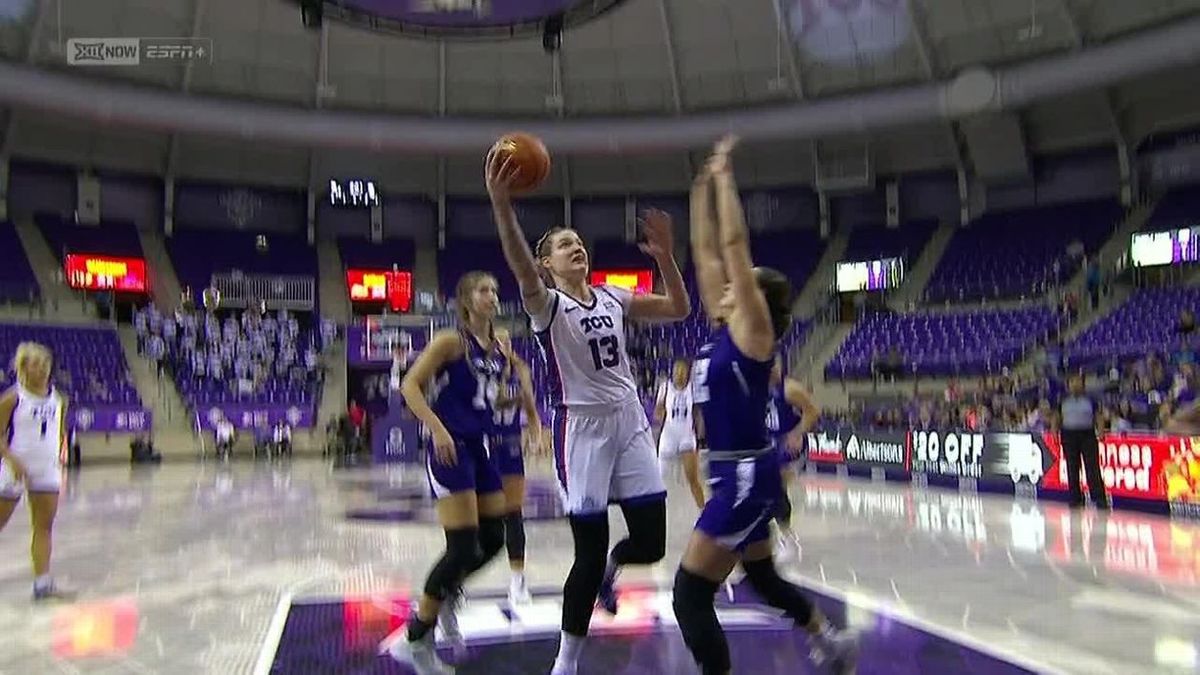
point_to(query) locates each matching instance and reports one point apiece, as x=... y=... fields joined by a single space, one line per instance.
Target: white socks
x=43 y=581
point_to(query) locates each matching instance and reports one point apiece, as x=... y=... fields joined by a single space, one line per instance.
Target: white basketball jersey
x=584 y=347
x=36 y=423
x=677 y=404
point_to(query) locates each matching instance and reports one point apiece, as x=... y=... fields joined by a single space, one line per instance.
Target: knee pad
x=462 y=552
x=697 y=618
x=491 y=537
x=777 y=591
x=514 y=535
x=647 y=542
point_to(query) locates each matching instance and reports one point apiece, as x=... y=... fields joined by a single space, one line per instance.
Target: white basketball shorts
x=43 y=474
x=605 y=455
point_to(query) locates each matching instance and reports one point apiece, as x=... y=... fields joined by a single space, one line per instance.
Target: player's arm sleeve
x=541 y=319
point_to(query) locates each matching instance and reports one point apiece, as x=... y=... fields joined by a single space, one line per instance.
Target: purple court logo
x=492 y=620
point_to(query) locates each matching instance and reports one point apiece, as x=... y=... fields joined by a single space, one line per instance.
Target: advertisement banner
x=257 y=415
x=109 y=418
x=1142 y=466
x=885 y=449
x=965 y=454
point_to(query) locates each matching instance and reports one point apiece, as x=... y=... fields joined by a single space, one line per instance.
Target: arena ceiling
x=643 y=57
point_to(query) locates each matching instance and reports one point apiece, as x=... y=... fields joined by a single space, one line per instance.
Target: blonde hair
x=28 y=352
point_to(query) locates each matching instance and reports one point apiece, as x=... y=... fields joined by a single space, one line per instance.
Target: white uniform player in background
x=674 y=413
x=32 y=436
x=603 y=450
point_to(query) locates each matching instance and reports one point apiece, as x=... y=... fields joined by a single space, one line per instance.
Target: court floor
x=202 y=568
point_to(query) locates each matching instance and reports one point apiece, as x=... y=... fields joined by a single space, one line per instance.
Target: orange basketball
x=531 y=157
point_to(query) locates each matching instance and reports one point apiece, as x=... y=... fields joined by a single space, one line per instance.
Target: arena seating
x=941 y=344
x=90 y=366
x=360 y=252
x=110 y=237
x=197 y=254
x=1017 y=253
x=17 y=282
x=879 y=241
x=1145 y=323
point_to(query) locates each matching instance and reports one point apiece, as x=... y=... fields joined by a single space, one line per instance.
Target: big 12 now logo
x=953 y=454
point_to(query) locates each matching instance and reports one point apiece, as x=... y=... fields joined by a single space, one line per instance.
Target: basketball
x=531 y=157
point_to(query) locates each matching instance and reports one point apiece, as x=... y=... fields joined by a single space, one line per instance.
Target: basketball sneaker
x=838 y=648
x=49 y=591
x=448 y=623
x=607 y=597
x=420 y=655
x=518 y=591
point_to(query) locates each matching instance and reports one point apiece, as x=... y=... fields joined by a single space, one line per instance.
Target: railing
x=297 y=293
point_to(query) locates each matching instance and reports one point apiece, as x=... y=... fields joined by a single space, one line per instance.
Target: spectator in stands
x=1080 y=428
x=1187 y=322
x=226 y=435
x=282 y=438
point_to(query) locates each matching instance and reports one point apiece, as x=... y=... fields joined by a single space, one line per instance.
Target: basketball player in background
x=677 y=428
x=603 y=449
x=791 y=414
x=731 y=384
x=516 y=407
x=460 y=372
x=32 y=435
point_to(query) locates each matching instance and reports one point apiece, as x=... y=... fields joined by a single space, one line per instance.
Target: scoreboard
x=635 y=281
x=105 y=273
x=393 y=287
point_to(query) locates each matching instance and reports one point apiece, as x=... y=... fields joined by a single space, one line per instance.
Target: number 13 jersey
x=584 y=348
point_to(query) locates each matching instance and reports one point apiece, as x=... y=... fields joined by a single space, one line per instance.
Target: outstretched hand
x=660 y=240
x=719 y=161
x=500 y=172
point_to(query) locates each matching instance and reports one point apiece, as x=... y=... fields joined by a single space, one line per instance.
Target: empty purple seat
x=1019 y=253
x=89 y=363
x=1144 y=324
x=940 y=344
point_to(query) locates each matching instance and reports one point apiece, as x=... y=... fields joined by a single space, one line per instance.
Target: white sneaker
x=518 y=591
x=448 y=624
x=838 y=648
x=420 y=655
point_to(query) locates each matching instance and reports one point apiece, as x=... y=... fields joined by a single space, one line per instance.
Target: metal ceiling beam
x=321 y=90
x=35 y=35
x=1079 y=39
x=440 y=188
x=672 y=57
x=185 y=84
x=673 y=68
x=930 y=65
x=795 y=74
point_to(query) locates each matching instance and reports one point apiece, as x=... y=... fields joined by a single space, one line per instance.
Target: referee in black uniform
x=1080 y=443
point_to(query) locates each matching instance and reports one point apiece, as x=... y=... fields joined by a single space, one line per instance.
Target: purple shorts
x=745 y=494
x=507 y=456
x=474 y=471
